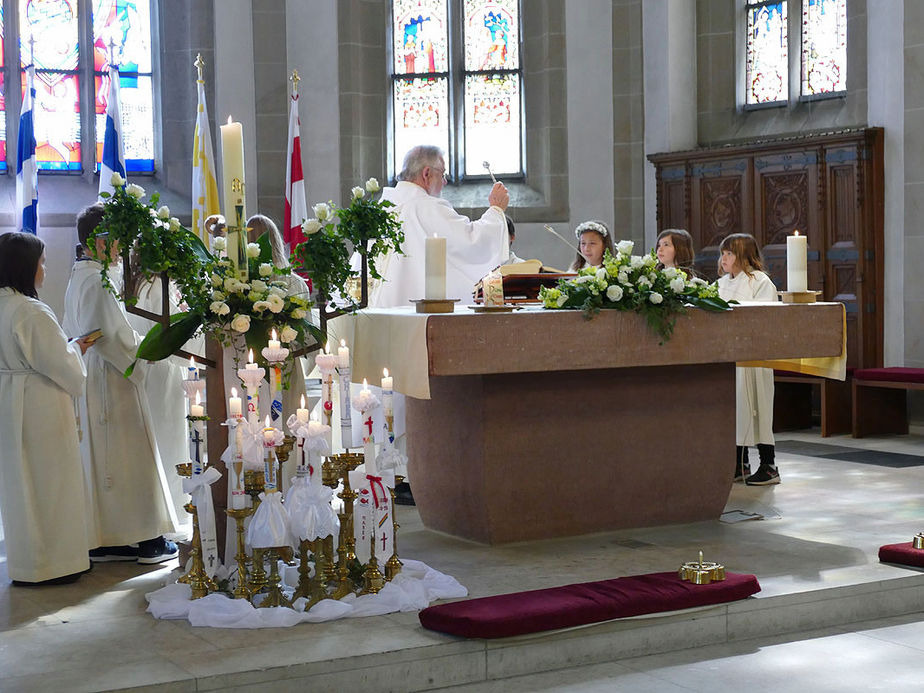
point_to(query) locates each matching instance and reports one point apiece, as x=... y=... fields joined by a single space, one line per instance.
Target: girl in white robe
x=744 y=280
x=42 y=491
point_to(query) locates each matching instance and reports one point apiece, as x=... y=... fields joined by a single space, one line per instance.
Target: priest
x=473 y=248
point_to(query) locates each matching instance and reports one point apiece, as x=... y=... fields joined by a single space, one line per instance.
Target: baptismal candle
x=197 y=409
x=796 y=262
x=273 y=343
x=269 y=433
x=343 y=370
x=234 y=404
x=302 y=413
x=232 y=167
x=435 y=268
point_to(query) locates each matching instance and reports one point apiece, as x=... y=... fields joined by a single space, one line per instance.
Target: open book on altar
x=523 y=280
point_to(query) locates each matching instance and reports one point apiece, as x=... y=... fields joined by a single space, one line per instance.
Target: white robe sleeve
x=482 y=242
x=119 y=342
x=763 y=287
x=46 y=349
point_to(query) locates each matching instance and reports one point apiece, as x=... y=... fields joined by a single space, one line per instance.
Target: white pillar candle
x=234 y=404
x=435 y=268
x=388 y=384
x=232 y=168
x=196 y=409
x=343 y=355
x=796 y=263
x=302 y=413
x=343 y=370
x=273 y=342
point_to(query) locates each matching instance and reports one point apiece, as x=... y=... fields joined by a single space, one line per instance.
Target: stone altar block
x=536 y=424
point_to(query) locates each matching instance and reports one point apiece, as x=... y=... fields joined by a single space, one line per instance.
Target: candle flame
x=250 y=356
x=384 y=372
x=343 y=342
x=796 y=232
x=198 y=398
x=192 y=362
x=303 y=402
x=268 y=422
x=229 y=120
x=274 y=334
x=233 y=392
x=365 y=384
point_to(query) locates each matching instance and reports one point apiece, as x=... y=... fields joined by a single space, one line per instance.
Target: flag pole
x=295 y=79
x=200 y=66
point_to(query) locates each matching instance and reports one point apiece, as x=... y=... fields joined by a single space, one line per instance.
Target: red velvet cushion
x=905 y=554
x=894 y=375
x=573 y=605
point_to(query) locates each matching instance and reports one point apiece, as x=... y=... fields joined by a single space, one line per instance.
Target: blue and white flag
x=26 y=164
x=113 y=153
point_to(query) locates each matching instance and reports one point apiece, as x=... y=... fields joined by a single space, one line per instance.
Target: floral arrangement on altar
x=368 y=225
x=634 y=283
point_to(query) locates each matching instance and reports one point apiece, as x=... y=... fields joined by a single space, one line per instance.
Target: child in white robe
x=128 y=488
x=42 y=490
x=743 y=279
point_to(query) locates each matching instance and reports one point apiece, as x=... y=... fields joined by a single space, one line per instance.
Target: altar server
x=743 y=279
x=473 y=248
x=42 y=490
x=128 y=488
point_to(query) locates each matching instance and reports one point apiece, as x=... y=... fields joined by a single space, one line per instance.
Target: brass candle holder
x=198 y=580
x=393 y=564
x=312 y=588
x=258 y=578
x=274 y=595
x=346 y=550
x=702 y=572
x=918 y=541
x=242 y=591
x=282 y=456
x=373 y=580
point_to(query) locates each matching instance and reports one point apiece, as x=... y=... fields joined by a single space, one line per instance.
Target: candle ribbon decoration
x=311 y=515
x=372 y=512
x=198 y=486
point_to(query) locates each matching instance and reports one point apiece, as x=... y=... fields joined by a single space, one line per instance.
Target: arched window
x=72 y=78
x=457 y=83
x=820 y=31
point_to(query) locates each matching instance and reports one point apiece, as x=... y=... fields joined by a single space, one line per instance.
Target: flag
x=204 y=185
x=26 y=163
x=296 y=209
x=113 y=153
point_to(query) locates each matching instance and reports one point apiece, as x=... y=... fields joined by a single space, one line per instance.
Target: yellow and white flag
x=204 y=186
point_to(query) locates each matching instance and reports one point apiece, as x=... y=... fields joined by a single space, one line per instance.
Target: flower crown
x=591 y=226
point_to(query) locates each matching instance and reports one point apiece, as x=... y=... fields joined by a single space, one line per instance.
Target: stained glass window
x=48 y=36
x=484 y=90
x=126 y=24
x=767 y=71
x=824 y=46
x=2 y=96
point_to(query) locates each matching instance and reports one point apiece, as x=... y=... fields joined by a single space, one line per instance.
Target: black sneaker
x=403 y=495
x=742 y=471
x=156 y=550
x=107 y=554
x=764 y=476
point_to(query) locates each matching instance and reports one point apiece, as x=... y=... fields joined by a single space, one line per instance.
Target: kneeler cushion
x=574 y=605
x=904 y=554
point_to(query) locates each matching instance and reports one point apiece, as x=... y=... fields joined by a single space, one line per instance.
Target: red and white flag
x=296 y=210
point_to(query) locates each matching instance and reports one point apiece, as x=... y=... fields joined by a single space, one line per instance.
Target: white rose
x=358 y=192
x=218 y=296
x=650 y=260
x=677 y=285
x=253 y=250
x=216 y=280
x=256 y=296
x=310 y=226
x=696 y=281
x=261 y=305
x=231 y=284
x=601 y=274
x=163 y=212
x=670 y=272
x=614 y=293
x=655 y=297
x=372 y=185
x=287 y=334
x=298 y=313
x=644 y=283
x=116 y=180
x=174 y=224
x=561 y=300
x=135 y=191
x=266 y=269
x=623 y=278
x=625 y=247
x=220 y=243
x=635 y=262
x=322 y=211
x=220 y=308
x=276 y=303
x=257 y=285
x=241 y=323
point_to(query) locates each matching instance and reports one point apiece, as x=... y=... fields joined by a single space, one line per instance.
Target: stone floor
x=814 y=554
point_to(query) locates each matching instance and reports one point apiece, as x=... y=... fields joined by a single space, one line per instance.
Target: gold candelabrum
x=198 y=580
x=253 y=486
x=393 y=564
x=346 y=550
x=274 y=595
x=373 y=580
x=242 y=590
x=282 y=456
x=702 y=572
x=314 y=588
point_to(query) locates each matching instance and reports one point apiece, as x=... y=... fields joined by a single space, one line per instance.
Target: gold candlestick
x=346 y=550
x=393 y=564
x=242 y=591
x=918 y=541
x=313 y=589
x=198 y=580
x=304 y=581
x=258 y=573
x=274 y=595
x=373 y=580
x=282 y=456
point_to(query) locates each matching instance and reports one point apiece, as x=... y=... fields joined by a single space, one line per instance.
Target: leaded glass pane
x=135 y=94
x=127 y=24
x=57 y=121
x=824 y=46
x=420 y=36
x=492 y=34
x=492 y=123
x=767 y=54
x=53 y=26
x=421 y=114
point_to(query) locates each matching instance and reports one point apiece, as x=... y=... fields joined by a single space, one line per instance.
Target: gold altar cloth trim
x=834 y=367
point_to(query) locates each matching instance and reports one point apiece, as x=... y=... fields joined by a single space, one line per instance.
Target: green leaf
x=198 y=247
x=159 y=343
x=266 y=250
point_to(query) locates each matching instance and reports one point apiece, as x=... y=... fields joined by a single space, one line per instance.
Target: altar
x=536 y=424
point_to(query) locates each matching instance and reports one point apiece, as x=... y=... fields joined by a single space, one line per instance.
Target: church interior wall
x=913 y=247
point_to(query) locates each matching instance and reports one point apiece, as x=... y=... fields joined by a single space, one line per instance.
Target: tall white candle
x=343 y=370
x=388 y=384
x=232 y=168
x=796 y=262
x=234 y=404
x=435 y=268
x=196 y=409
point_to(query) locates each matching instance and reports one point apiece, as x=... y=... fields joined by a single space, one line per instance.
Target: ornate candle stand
x=274 y=595
x=282 y=455
x=330 y=477
x=198 y=580
x=373 y=580
x=253 y=486
x=242 y=591
x=314 y=589
x=346 y=550
x=393 y=564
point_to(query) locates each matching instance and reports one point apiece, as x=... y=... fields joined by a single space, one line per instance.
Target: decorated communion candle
x=197 y=409
x=435 y=268
x=234 y=404
x=343 y=369
x=796 y=262
x=232 y=168
x=388 y=384
x=193 y=370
